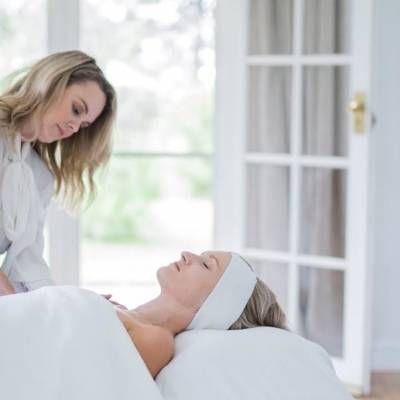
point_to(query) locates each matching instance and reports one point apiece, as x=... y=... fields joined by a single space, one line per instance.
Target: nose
x=74 y=126
x=187 y=256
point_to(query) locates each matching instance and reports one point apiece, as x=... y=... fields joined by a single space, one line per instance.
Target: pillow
x=258 y=363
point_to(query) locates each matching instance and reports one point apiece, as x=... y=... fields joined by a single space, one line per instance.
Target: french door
x=291 y=166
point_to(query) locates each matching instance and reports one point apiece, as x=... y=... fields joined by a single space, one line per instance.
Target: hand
x=108 y=297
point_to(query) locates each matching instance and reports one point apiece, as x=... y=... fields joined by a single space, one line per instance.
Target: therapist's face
x=77 y=107
x=193 y=277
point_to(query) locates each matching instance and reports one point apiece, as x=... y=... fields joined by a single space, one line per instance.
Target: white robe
x=26 y=188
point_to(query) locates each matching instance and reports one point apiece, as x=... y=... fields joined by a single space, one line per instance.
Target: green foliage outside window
x=125 y=190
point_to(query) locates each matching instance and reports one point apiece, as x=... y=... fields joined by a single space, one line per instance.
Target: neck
x=166 y=312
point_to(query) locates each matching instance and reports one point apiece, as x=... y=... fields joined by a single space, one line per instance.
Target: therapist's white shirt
x=26 y=188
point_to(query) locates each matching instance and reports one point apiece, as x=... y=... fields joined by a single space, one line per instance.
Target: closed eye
x=76 y=111
x=205 y=265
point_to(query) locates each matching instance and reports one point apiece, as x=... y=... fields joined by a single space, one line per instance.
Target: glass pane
x=268 y=207
x=323 y=211
x=147 y=211
x=269 y=109
x=326 y=26
x=23 y=35
x=160 y=57
x=275 y=276
x=270 y=27
x=325 y=119
x=321 y=307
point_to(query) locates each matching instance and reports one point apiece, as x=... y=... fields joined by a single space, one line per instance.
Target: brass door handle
x=358 y=108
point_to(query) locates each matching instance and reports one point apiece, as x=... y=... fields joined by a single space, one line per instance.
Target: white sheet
x=258 y=364
x=67 y=343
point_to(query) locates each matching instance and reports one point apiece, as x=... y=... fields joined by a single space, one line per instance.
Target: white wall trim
x=63 y=28
x=229 y=123
x=63 y=25
x=64 y=245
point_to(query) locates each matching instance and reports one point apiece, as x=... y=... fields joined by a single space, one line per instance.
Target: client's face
x=192 y=278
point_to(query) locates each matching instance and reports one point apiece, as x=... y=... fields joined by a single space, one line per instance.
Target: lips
x=177 y=266
x=61 y=131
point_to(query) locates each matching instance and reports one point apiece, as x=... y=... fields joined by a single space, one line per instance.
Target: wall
x=385 y=175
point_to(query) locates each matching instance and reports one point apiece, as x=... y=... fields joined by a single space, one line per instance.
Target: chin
x=44 y=138
x=162 y=276
x=158 y=273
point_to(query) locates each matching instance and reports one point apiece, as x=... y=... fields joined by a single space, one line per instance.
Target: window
x=154 y=199
x=23 y=32
x=19 y=48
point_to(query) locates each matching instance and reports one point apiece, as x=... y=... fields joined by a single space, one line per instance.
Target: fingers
x=108 y=297
x=118 y=305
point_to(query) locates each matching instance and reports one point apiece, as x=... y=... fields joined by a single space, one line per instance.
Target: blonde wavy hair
x=73 y=160
x=262 y=309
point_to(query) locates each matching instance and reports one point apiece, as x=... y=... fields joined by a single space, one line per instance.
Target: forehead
x=223 y=257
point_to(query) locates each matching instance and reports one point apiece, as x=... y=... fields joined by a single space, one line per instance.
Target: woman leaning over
x=55 y=131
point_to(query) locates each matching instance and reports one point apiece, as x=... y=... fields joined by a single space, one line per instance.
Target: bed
x=67 y=343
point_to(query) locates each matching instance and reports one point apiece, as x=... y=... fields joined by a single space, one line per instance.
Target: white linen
x=258 y=364
x=26 y=188
x=67 y=343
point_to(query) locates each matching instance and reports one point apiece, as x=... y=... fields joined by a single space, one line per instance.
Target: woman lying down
x=213 y=290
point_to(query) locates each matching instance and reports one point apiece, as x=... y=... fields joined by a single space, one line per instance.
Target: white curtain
x=268 y=111
x=322 y=190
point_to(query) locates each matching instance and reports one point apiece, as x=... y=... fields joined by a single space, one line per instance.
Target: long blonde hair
x=74 y=160
x=262 y=309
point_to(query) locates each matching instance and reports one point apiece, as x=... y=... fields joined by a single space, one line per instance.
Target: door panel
x=271 y=29
x=322 y=227
x=268 y=129
x=290 y=168
x=325 y=118
x=267 y=215
x=334 y=17
x=321 y=307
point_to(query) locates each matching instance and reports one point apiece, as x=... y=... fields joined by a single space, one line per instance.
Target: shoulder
x=155 y=344
x=43 y=177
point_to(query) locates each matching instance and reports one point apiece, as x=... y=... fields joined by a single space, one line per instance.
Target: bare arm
x=5 y=285
x=155 y=344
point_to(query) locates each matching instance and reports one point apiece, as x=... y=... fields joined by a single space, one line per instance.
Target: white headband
x=229 y=297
